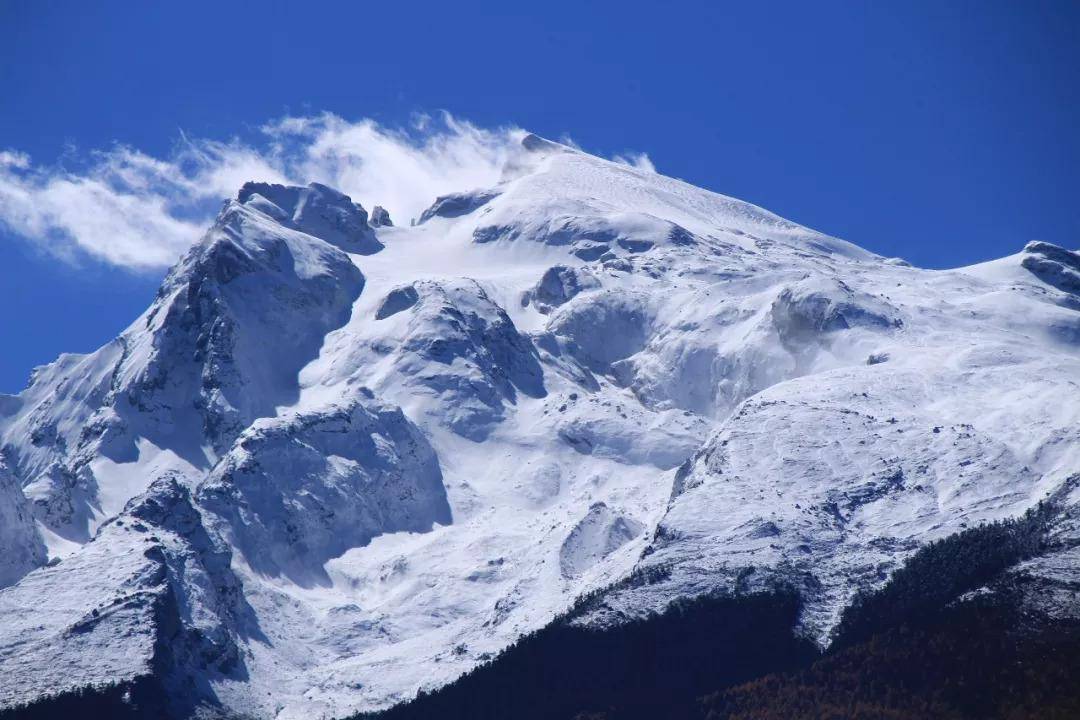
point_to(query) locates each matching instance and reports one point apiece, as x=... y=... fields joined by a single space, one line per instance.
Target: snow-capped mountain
x=340 y=460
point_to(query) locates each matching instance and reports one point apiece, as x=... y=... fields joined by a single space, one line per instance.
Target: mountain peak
x=535 y=143
x=317 y=210
x=396 y=458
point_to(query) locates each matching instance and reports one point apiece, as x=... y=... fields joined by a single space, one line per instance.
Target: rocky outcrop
x=21 y=547
x=298 y=490
x=1054 y=265
x=380 y=217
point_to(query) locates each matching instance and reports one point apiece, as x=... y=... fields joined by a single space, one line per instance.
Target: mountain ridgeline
x=588 y=443
x=922 y=646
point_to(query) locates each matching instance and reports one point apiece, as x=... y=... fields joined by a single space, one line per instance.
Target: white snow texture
x=338 y=461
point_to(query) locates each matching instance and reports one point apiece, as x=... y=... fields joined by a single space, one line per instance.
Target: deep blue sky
x=943 y=132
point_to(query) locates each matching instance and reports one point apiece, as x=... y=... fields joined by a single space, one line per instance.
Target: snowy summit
x=341 y=459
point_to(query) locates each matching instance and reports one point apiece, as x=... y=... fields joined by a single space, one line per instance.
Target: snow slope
x=337 y=462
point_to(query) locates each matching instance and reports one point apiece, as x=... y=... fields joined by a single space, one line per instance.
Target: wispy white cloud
x=638 y=160
x=138 y=211
x=12 y=159
x=68 y=214
x=401 y=169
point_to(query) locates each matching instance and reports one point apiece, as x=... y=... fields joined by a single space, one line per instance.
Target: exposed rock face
x=447 y=339
x=1055 y=265
x=248 y=282
x=21 y=547
x=316 y=210
x=190 y=374
x=559 y=285
x=380 y=217
x=152 y=597
x=298 y=490
x=457 y=204
x=397 y=300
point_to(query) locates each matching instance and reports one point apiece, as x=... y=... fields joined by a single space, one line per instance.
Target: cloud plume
x=134 y=210
x=130 y=209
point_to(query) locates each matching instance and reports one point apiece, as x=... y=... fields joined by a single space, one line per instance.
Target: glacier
x=340 y=460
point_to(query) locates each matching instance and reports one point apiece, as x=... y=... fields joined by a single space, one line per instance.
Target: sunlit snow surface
x=358 y=464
